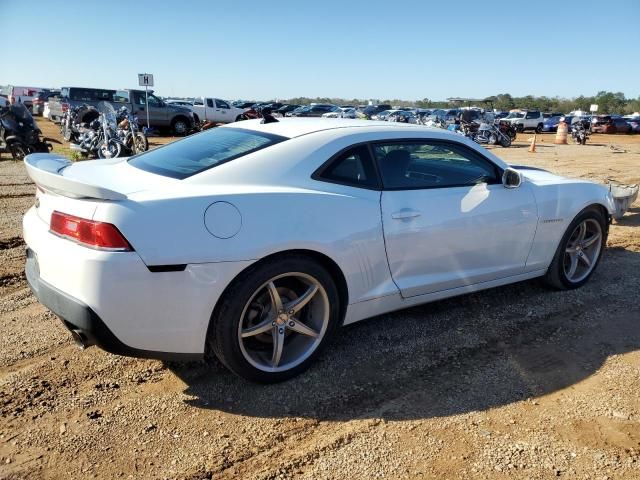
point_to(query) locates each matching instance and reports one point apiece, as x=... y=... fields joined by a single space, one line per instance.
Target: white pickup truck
x=215 y=110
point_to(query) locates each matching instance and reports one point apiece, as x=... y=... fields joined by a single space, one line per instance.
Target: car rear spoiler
x=46 y=170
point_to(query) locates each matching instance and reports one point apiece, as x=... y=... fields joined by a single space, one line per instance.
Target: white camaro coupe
x=254 y=242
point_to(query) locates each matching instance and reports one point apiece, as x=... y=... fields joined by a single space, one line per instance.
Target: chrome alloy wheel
x=284 y=322
x=583 y=250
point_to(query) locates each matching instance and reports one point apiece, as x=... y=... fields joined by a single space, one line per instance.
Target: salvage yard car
x=255 y=244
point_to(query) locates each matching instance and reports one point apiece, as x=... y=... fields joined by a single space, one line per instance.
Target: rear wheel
x=18 y=151
x=579 y=251
x=505 y=141
x=141 y=143
x=539 y=128
x=273 y=321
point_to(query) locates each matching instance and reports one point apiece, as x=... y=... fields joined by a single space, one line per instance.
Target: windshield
x=515 y=115
x=200 y=152
x=21 y=112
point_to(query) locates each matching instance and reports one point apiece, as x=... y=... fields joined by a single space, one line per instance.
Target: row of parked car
x=179 y=116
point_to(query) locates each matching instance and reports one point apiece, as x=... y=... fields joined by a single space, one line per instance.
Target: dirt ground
x=515 y=382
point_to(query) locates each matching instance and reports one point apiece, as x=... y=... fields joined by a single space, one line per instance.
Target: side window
x=153 y=101
x=532 y=114
x=424 y=164
x=209 y=103
x=352 y=167
x=198 y=101
x=139 y=98
x=121 y=96
x=222 y=104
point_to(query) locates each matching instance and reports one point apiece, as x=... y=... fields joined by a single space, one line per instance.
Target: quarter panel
x=342 y=223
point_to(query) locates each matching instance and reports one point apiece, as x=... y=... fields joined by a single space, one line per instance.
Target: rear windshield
x=203 y=151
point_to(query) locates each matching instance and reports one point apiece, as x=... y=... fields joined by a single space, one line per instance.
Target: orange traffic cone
x=532 y=148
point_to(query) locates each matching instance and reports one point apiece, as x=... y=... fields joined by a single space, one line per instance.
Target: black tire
x=555 y=276
x=539 y=128
x=519 y=128
x=18 y=151
x=583 y=140
x=180 y=126
x=222 y=335
x=505 y=141
x=239 y=118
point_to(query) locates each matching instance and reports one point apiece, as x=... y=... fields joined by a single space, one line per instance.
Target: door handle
x=405 y=213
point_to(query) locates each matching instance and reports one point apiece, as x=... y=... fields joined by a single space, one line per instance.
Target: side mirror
x=511 y=178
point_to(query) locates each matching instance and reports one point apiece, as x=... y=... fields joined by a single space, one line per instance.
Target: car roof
x=296 y=127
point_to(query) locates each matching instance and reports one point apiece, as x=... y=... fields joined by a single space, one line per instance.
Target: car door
x=157 y=110
x=532 y=119
x=223 y=111
x=448 y=220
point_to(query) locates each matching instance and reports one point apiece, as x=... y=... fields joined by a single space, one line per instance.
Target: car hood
x=539 y=176
x=179 y=109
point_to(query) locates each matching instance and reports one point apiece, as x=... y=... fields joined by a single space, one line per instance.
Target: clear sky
x=368 y=49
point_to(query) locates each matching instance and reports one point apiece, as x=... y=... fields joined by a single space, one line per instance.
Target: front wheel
x=109 y=149
x=66 y=133
x=273 y=320
x=579 y=251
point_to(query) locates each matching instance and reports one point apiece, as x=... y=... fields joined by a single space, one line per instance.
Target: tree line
x=608 y=102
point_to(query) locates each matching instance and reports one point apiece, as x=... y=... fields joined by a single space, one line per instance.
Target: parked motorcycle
x=579 y=133
x=507 y=128
x=129 y=134
x=74 y=120
x=19 y=134
x=485 y=133
x=100 y=137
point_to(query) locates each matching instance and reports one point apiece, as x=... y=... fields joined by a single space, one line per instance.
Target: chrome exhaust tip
x=80 y=339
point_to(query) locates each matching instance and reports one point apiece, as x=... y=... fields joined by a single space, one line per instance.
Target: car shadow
x=464 y=354
x=631 y=218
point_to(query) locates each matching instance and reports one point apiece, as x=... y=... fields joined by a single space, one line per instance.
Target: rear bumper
x=117 y=301
x=77 y=316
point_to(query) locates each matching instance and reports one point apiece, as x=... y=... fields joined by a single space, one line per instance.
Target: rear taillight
x=99 y=235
